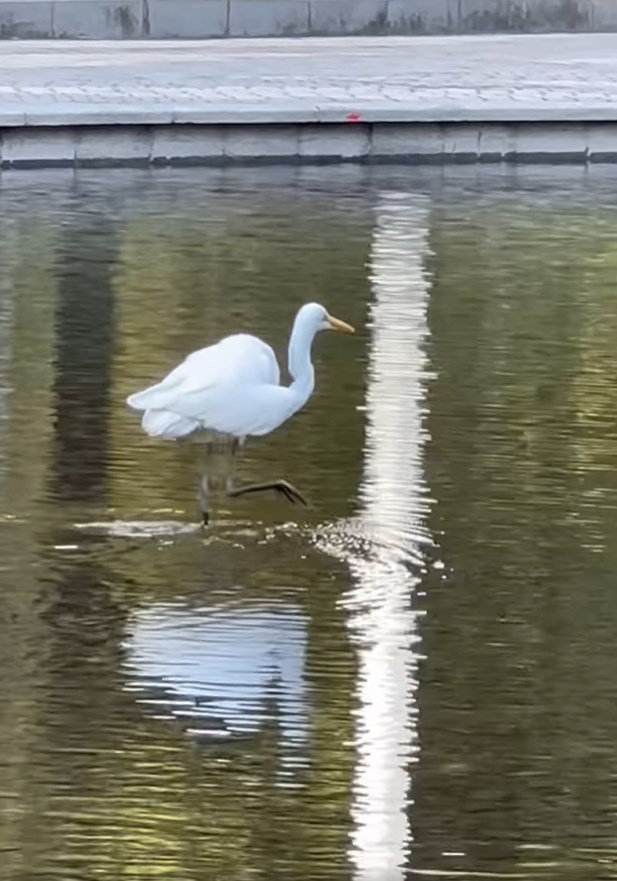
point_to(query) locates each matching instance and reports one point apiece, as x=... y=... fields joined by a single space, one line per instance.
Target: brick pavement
x=507 y=78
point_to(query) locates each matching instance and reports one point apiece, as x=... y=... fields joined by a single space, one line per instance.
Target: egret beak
x=337 y=324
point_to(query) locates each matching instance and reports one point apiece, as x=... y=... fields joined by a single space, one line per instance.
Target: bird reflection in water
x=213 y=668
x=230 y=391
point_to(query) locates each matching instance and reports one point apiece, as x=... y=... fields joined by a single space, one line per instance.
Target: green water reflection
x=414 y=677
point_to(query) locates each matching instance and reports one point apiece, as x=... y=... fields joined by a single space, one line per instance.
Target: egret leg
x=283 y=487
x=202 y=498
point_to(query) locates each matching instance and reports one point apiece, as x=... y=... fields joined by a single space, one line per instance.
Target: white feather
x=234 y=360
x=186 y=400
x=232 y=387
x=165 y=424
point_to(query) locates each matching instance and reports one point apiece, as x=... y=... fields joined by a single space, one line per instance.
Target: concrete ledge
x=198 y=19
x=243 y=116
x=441 y=143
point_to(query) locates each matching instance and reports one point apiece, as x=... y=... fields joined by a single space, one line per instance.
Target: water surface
x=416 y=676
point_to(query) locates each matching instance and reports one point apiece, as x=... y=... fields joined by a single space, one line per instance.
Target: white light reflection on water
x=6 y=321
x=383 y=545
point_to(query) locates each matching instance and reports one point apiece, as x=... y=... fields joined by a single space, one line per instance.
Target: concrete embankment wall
x=143 y=145
x=196 y=19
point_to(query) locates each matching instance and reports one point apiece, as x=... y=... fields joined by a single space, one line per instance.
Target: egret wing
x=238 y=410
x=239 y=360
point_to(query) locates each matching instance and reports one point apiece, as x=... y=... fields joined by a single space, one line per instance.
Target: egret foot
x=280 y=486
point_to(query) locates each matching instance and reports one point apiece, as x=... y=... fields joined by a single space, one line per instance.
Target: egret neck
x=299 y=361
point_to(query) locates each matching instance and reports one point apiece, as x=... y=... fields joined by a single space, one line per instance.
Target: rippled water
x=414 y=677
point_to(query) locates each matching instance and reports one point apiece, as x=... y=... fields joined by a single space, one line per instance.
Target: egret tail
x=164 y=424
x=154 y=398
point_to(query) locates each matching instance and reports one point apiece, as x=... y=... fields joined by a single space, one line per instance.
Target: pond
x=415 y=676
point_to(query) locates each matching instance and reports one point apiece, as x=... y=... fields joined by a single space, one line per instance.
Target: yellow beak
x=337 y=324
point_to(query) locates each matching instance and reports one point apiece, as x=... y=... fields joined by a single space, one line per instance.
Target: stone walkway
x=373 y=79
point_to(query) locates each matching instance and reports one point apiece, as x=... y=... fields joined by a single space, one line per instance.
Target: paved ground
x=561 y=77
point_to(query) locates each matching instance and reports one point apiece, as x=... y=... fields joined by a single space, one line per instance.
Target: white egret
x=232 y=390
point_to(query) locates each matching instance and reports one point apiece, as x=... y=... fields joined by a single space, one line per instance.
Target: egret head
x=315 y=317
x=310 y=319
